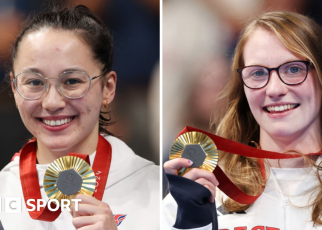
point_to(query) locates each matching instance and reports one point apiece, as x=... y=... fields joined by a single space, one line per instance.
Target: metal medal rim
x=66 y=163
x=205 y=142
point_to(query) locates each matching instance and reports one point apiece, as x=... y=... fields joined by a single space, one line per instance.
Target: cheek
x=26 y=110
x=311 y=90
x=255 y=99
x=90 y=104
x=250 y=96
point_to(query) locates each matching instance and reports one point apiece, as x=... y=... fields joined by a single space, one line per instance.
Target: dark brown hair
x=84 y=23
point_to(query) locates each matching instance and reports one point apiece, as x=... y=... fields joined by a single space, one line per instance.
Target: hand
x=200 y=176
x=92 y=214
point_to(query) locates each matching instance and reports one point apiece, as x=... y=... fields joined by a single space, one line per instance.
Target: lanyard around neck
x=223 y=144
x=30 y=183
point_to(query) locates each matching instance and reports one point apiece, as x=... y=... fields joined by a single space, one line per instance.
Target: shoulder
x=126 y=165
x=10 y=178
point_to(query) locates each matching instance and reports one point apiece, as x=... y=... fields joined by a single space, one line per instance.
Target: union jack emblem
x=119 y=218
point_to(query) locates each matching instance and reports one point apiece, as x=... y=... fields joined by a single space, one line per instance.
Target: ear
x=12 y=84
x=109 y=87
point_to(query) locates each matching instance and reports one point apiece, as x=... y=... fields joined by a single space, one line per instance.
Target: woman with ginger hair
x=274 y=99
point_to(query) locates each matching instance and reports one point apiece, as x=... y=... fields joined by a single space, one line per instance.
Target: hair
x=302 y=36
x=80 y=20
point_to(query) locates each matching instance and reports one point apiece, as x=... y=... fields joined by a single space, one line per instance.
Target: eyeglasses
x=71 y=84
x=290 y=73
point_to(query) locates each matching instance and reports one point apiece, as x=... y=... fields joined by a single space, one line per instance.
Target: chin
x=56 y=144
x=283 y=133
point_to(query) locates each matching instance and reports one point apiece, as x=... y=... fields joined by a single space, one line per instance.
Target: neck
x=47 y=156
x=304 y=143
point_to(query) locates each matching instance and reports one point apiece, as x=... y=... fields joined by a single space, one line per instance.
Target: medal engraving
x=197 y=147
x=69 y=182
x=68 y=176
x=195 y=153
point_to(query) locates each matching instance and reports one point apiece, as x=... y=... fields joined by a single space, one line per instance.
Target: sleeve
x=194 y=211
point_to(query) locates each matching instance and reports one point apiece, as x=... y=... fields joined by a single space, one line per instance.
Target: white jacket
x=132 y=189
x=282 y=206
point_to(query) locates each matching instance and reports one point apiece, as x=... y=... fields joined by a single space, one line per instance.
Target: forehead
x=52 y=48
x=263 y=47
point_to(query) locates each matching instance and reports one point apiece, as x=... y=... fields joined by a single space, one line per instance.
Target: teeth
x=57 y=122
x=280 y=108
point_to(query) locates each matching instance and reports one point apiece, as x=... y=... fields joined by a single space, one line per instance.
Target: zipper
x=285 y=207
x=49 y=226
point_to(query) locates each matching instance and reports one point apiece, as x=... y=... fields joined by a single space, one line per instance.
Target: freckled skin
x=265 y=49
x=52 y=52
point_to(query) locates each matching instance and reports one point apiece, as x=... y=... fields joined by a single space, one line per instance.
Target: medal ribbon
x=29 y=177
x=223 y=144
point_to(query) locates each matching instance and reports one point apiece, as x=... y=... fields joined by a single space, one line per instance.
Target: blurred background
x=134 y=25
x=199 y=38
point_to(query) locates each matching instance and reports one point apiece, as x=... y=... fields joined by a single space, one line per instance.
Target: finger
x=210 y=186
x=72 y=209
x=86 y=199
x=171 y=166
x=81 y=221
x=197 y=173
x=99 y=226
x=89 y=209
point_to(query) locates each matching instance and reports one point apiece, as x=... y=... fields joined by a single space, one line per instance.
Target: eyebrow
x=36 y=70
x=288 y=60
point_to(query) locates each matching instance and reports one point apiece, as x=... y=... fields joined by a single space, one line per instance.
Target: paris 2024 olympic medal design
x=68 y=176
x=197 y=147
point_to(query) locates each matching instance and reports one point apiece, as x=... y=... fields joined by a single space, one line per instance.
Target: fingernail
x=190 y=162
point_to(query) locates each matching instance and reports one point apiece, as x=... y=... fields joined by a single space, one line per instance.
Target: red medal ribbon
x=223 y=144
x=29 y=177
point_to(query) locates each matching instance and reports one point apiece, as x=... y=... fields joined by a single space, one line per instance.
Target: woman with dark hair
x=274 y=99
x=62 y=82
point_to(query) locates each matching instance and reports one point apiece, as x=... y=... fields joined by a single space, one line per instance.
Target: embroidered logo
x=119 y=219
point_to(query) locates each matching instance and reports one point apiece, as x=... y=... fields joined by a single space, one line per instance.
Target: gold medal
x=68 y=176
x=197 y=147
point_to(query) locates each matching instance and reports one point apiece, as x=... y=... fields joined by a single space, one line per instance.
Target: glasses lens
x=74 y=84
x=255 y=76
x=293 y=72
x=30 y=85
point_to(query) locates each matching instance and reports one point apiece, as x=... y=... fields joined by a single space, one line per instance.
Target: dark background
x=135 y=28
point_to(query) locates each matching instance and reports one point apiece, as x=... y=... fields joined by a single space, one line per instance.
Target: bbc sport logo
x=14 y=204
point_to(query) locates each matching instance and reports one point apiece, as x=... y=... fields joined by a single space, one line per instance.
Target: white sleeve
x=169 y=212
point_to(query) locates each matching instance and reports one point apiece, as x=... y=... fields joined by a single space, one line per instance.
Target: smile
x=57 y=122
x=280 y=108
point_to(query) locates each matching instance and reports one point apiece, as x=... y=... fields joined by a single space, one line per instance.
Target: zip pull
x=285 y=202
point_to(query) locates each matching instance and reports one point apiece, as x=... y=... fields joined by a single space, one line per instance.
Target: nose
x=275 y=88
x=53 y=100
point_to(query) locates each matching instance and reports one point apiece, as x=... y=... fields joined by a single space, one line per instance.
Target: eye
x=72 y=81
x=294 y=69
x=35 y=82
x=258 y=73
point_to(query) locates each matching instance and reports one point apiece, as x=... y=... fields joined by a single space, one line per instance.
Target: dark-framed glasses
x=71 y=84
x=290 y=73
